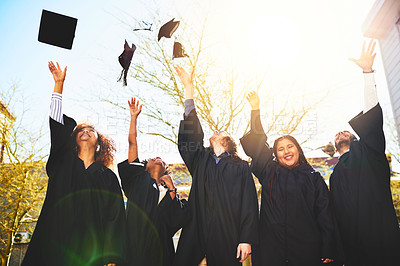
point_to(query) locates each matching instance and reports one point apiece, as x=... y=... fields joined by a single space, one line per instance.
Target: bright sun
x=275 y=41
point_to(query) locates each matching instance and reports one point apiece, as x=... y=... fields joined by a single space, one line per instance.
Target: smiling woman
x=293 y=195
x=275 y=40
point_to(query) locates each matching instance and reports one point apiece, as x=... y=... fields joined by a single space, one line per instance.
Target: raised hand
x=254 y=100
x=187 y=81
x=185 y=78
x=134 y=107
x=58 y=74
x=167 y=181
x=367 y=57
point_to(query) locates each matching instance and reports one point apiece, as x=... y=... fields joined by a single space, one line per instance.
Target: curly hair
x=106 y=146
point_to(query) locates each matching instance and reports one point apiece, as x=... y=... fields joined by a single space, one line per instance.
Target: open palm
x=134 y=107
x=367 y=57
x=57 y=72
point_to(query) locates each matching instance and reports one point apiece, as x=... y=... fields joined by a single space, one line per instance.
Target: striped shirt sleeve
x=56 y=108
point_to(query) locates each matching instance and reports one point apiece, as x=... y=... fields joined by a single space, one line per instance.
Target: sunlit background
x=299 y=49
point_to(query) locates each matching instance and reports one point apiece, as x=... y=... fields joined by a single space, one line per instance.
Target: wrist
x=255 y=108
x=368 y=70
x=172 y=190
x=189 y=91
x=58 y=87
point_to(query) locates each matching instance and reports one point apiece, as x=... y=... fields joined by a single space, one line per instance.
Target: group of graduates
x=300 y=223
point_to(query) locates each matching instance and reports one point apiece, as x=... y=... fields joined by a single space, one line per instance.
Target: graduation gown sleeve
x=324 y=218
x=255 y=145
x=369 y=127
x=60 y=137
x=248 y=211
x=190 y=139
x=129 y=172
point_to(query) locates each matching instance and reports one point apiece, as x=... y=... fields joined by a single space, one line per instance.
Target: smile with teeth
x=288 y=157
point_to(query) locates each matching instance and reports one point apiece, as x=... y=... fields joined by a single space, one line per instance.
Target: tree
x=220 y=99
x=23 y=179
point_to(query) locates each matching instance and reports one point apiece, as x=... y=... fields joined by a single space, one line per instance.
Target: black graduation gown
x=82 y=221
x=360 y=186
x=223 y=202
x=150 y=226
x=296 y=223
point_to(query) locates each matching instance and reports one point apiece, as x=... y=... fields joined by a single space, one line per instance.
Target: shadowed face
x=343 y=140
x=156 y=162
x=87 y=134
x=218 y=138
x=287 y=153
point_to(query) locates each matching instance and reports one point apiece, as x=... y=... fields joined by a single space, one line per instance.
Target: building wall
x=382 y=23
x=390 y=50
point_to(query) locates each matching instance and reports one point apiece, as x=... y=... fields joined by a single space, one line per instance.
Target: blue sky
x=321 y=27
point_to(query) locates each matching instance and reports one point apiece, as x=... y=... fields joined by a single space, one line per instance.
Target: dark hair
x=106 y=146
x=302 y=160
x=229 y=143
x=339 y=144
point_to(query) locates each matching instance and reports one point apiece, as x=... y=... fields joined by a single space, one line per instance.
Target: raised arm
x=365 y=62
x=254 y=143
x=190 y=136
x=61 y=126
x=135 y=110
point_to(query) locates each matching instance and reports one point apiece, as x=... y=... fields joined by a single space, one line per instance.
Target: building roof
x=382 y=16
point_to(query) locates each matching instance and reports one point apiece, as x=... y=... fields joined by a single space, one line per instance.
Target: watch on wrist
x=172 y=190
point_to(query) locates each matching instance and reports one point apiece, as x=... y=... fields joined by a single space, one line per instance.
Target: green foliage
x=395 y=186
x=23 y=179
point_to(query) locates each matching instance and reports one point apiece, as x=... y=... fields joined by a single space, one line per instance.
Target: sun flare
x=275 y=41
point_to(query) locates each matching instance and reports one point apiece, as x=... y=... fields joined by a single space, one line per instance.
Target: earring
x=98 y=148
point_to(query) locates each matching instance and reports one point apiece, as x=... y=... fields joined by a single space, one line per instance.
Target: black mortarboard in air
x=125 y=60
x=57 y=29
x=178 y=50
x=168 y=29
x=329 y=149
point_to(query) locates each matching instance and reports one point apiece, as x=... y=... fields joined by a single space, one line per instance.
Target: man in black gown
x=360 y=183
x=154 y=211
x=223 y=198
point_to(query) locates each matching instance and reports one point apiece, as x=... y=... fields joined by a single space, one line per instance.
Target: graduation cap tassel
x=124 y=73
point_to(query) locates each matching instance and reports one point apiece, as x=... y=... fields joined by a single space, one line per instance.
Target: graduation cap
x=56 y=29
x=178 y=50
x=168 y=29
x=125 y=60
x=328 y=149
x=144 y=26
